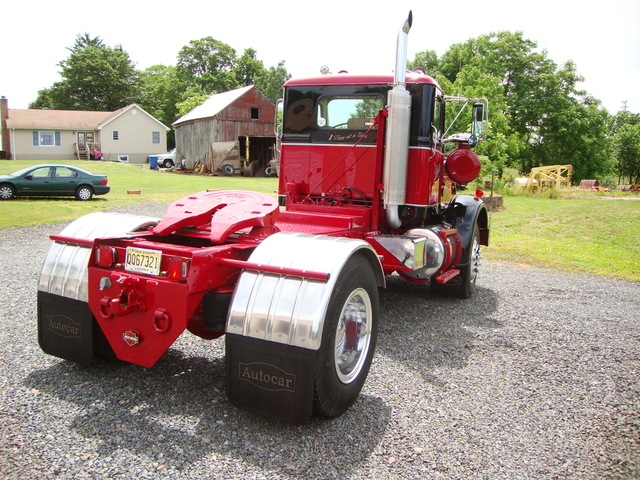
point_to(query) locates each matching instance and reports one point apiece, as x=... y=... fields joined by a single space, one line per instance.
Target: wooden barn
x=231 y=133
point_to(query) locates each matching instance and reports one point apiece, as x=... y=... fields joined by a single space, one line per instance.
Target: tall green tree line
x=98 y=77
x=539 y=115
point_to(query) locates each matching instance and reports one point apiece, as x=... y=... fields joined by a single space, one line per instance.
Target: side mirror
x=29 y=177
x=479 y=120
x=277 y=128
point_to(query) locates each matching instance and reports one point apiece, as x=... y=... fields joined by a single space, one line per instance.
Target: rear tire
x=167 y=163
x=84 y=193
x=348 y=339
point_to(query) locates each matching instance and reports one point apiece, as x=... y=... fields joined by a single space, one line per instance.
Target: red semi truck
x=367 y=188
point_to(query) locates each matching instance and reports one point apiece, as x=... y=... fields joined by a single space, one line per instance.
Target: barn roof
x=214 y=105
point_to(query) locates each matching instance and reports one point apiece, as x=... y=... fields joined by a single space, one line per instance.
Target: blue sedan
x=53 y=180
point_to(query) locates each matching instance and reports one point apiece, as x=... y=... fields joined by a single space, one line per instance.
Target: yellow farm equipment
x=550 y=176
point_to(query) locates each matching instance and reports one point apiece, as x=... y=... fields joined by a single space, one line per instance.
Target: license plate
x=140 y=260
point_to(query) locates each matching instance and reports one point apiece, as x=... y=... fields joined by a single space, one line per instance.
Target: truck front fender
x=464 y=212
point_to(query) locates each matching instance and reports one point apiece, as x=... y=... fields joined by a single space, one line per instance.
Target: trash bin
x=153 y=162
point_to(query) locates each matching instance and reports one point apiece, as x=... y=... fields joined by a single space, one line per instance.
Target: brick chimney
x=4 y=116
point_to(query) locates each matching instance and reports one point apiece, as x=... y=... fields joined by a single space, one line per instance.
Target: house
x=231 y=132
x=128 y=134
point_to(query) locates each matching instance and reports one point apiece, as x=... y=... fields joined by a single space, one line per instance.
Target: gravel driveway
x=535 y=377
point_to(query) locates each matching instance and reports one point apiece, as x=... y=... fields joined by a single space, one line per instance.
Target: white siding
x=22 y=146
x=135 y=137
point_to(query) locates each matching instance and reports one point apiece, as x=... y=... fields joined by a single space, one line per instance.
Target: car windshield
x=20 y=172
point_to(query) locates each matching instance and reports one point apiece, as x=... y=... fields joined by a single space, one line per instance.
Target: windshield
x=20 y=172
x=349 y=112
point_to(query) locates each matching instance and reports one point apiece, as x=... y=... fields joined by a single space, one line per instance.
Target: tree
x=572 y=129
x=44 y=100
x=161 y=91
x=94 y=77
x=191 y=98
x=426 y=61
x=627 y=152
x=248 y=67
x=542 y=117
x=471 y=82
x=208 y=64
x=621 y=118
x=269 y=81
x=83 y=41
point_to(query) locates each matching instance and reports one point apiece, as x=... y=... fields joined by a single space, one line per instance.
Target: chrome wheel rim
x=5 y=192
x=353 y=335
x=476 y=255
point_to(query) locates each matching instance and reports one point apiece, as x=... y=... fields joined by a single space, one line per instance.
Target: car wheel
x=167 y=163
x=7 y=192
x=84 y=193
x=228 y=170
x=348 y=339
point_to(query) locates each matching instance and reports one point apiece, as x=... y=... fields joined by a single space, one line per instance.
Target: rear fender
x=275 y=323
x=64 y=271
x=66 y=327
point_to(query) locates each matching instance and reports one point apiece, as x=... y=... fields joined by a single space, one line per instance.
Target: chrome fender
x=64 y=271
x=291 y=309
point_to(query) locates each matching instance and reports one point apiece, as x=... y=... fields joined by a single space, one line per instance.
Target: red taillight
x=178 y=268
x=106 y=256
x=479 y=193
x=104 y=182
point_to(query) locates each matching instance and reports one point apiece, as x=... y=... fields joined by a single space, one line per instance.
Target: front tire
x=84 y=193
x=464 y=284
x=348 y=339
x=7 y=192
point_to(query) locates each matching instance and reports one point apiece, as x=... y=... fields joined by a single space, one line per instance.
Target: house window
x=46 y=139
x=115 y=134
x=255 y=114
x=155 y=137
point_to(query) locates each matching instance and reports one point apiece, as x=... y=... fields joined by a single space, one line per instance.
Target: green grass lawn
x=154 y=186
x=593 y=235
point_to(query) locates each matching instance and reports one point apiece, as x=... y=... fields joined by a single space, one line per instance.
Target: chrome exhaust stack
x=397 y=137
x=401 y=51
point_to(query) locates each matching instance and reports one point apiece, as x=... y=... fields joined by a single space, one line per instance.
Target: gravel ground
x=535 y=377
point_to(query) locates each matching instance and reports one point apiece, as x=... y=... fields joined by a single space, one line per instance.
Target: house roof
x=56 y=119
x=214 y=105
x=65 y=119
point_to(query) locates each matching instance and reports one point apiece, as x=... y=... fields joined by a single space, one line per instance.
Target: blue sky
x=602 y=38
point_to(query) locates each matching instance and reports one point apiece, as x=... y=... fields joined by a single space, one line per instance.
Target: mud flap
x=65 y=328
x=270 y=379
